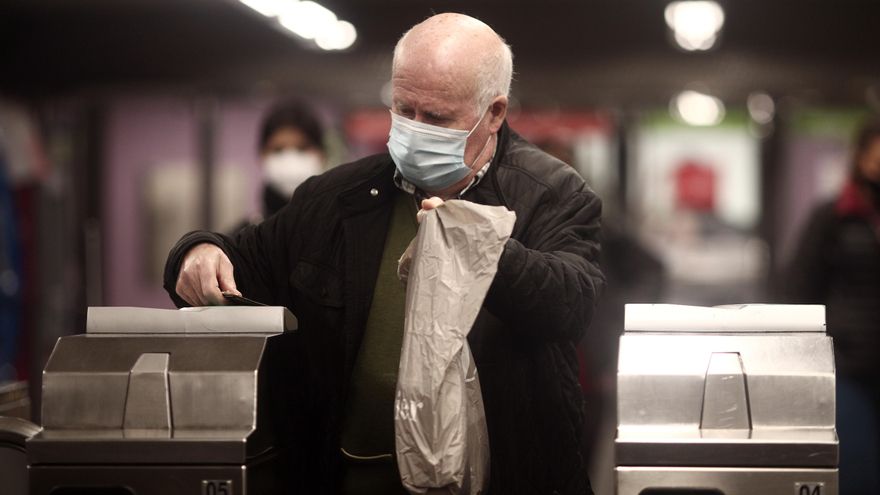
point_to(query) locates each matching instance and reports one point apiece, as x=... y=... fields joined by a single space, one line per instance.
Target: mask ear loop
x=474 y=128
x=484 y=146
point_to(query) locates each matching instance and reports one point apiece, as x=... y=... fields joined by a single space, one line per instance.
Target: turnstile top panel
x=742 y=318
x=198 y=320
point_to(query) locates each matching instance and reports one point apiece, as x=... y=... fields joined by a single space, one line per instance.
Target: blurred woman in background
x=837 y=263
x=292 y=149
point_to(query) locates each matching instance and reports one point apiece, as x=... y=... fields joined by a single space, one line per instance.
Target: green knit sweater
x=368 y=427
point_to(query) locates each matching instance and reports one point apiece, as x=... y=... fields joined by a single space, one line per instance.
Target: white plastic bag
x=440 y=426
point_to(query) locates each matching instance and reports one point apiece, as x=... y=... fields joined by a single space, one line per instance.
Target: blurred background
x=710 y=130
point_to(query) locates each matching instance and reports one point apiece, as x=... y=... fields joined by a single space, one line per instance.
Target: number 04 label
x=809 y=488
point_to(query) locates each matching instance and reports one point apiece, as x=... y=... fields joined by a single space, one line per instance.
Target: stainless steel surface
x=14 y=432
x=742 y=448
x=147 y=403
x=163 y=413
x=732 y=400
x=789 y=377
x=255 y=479
x=725 y=481
x=198 y=320
x=14 y=400
x=725 y=402
x=13 y=470
x=142 y=447
x=212 y=379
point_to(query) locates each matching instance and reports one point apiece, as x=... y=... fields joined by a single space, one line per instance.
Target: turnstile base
x=725 y=481
x=154 y=480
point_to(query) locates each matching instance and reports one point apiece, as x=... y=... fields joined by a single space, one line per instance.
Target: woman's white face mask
x=285 y=170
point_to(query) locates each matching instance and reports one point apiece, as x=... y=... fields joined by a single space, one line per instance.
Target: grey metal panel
x=147 y=404
x=133 y=399
x=16 y=430
x=127 y=447
x=725 y=401
x=84 y=400
x=214 y=400
x=86 y=382
x=727 y=481
x=13 y=460
x=744 y=448
x=13 y=470
x=732 y=401
x=790 y=377
x=258 y=479
x=115 y=353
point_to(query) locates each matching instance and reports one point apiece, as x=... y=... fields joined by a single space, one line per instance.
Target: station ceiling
x=567 y=52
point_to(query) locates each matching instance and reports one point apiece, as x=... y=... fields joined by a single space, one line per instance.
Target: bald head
x=459 y=51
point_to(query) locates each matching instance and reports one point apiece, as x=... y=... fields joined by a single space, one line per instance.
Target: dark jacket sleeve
x=549 y=291
x=259 y=254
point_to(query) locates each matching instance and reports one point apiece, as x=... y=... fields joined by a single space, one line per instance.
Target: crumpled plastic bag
x=440 y=430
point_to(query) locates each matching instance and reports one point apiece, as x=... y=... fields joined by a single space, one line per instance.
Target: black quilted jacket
x=320 y=255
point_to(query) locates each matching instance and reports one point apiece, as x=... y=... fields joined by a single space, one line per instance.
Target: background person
x=837 y=263
x=292 y=149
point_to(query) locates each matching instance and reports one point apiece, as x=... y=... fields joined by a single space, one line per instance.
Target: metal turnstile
x=153 y=401
x=732 y=400
x=14 y=432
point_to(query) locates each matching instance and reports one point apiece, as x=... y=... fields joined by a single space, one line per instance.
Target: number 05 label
x=809 y=489
x=217 y=487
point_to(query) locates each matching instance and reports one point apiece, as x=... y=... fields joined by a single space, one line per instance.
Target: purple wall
x=139 y=133
x=236 y=143
x=143 y=132
x=806 y=163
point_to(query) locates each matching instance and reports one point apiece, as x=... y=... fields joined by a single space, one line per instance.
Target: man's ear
x=497 y=113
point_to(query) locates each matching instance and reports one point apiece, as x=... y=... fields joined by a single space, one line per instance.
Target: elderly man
x=330 y=255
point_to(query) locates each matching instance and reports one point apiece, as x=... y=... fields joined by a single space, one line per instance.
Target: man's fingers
x=190 y=296
x=428 y=204
x=210 y=289
x=224 y=275
x=431 y=203
x=184 y=288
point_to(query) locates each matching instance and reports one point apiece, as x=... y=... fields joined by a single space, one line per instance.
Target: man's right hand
x=205 y=272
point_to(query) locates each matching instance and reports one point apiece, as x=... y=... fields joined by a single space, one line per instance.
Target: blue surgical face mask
x=429 y=156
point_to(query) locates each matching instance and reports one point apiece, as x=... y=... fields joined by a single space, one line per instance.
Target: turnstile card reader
x=153 y=401
x=732 y=400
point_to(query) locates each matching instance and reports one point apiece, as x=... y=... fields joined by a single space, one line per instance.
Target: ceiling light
x=698 y=109
x=307 y=19
x=761 y=107
x=695 y=24
x=269 y=8
x=338 y=36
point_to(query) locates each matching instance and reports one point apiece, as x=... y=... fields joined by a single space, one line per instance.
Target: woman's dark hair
x=294 y=114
